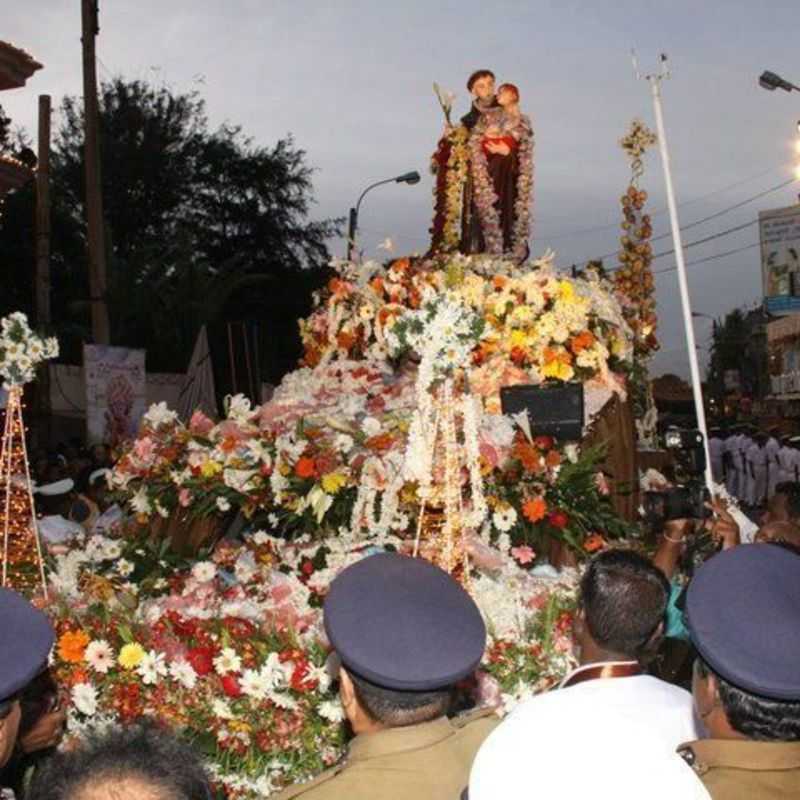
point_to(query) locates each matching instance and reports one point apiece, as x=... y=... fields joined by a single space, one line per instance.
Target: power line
x=729 y=209
x=709 y=258
x=714 y=193
x=705 y=239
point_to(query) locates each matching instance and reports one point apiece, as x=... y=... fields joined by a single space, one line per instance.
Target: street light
x=410 y=178
x=770 y=81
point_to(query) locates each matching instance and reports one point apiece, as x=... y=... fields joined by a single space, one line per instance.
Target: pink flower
x=144 y=450
x=200 y=423
x=490 y=454
x=184 y=498
x=488 y=692
x=523 y=554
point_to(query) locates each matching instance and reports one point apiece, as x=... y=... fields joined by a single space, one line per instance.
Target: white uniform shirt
x=607 y=737
x=716 y=447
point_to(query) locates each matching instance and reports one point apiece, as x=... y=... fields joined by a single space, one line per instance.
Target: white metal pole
x=697 y=391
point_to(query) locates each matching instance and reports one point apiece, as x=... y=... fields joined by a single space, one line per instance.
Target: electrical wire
x=660 y=211
x=709 y=258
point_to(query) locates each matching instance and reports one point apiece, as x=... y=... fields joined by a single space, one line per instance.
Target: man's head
x=481 y=84
x=138 y=763
x=26 y=637
x=779 y=532
x=405 y=633
x=784 y=505
x=623 y=600
x=741 y=610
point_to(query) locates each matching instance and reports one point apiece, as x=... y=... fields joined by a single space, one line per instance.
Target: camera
x=687 y=498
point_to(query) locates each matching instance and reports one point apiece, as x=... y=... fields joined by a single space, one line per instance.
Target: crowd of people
x=751 y=462
x=405 y=636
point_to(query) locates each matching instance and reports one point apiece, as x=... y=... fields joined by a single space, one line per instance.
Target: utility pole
x=42 y=297
x=42 y=290
x=94 y=196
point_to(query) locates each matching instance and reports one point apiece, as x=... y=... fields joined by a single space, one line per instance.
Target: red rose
x=230 y=685
x=307 y=568
x=558 y=519
x=543 y=442
x=201 y=659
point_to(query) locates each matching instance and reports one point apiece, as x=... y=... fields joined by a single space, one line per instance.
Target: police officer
x=742 y=611
x=26 y=637
x=405 y=633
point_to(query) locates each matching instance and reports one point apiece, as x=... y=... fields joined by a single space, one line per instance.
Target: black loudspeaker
x=555 y=411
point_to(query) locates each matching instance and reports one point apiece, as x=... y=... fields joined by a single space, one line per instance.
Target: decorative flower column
x=21 y=351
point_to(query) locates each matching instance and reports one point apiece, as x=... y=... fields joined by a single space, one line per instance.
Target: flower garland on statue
x=457 y=165
x=486 y=199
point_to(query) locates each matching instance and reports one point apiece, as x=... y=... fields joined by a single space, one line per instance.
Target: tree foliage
x=202 y=226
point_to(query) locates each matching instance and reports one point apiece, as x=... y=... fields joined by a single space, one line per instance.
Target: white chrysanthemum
x=152 y=667
x=84 y=698
x=99 y=656
x=140 y=502
x=254 y=684
x=261 y=537
x=183 y=673
x=343 y=443
x=159 y=414
x=223 y=504
x=221 y=709
x=227 y=661
x=239 y=408
x=204 y=571
x=331 y=710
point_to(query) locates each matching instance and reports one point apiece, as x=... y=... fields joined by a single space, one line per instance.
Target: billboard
x=780 y=259
x=115 y=392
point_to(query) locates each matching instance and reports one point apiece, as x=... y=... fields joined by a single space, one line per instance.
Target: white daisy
x=331 y=710
x=183 y=673
x=254 y=684
x=204 y=571
x=504 y=519
x=221 y=709
x=124 y=567
x=223 y=504
x=84 y=698
x=227 y=661
x=152 y=667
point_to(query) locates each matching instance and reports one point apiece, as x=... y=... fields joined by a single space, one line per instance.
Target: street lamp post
x=410 y=178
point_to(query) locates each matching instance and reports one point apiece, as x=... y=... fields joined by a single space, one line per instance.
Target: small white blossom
x=84 y=698
x=223 y=504
x=204 y=571
x=183 y=673
x=227 y=661
x=99 y=656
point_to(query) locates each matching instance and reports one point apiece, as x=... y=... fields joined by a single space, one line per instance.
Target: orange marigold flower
x=553 y=458
x=583 y=341
x=305 y=467
x=529 y=456
x=380 y=443
x=593 y=543
x=534 y=509
x=72 y=645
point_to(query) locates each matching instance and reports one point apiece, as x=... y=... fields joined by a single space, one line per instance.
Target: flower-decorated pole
x=21 y=351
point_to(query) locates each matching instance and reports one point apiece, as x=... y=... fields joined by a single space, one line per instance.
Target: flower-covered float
x=222 y=639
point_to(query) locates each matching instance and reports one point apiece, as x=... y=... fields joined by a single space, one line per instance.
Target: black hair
x=477 y=75
x=395 y=708
x=791 y=491
x=762 y=719
x=142 y=752
x=624 y=600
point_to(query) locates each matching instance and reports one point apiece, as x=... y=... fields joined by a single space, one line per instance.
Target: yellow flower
x=210 y=468
x=131 y=656
x=333 y=481
x=566 y=291
x=518 y=338
x=558 y=369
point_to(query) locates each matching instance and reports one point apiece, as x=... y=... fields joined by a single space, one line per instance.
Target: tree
x=201 y=226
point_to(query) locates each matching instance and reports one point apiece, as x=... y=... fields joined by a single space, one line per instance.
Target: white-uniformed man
x=733 y=464
x=756 y=456
x=716 y=450
x=772 y=449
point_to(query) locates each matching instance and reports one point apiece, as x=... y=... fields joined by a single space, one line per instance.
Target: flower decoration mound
x=236 y=661
x=22 y=350
x=536 y=326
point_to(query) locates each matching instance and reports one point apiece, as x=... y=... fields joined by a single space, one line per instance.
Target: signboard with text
x=780 y=259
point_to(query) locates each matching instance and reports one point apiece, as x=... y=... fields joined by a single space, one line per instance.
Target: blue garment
x=676 y=627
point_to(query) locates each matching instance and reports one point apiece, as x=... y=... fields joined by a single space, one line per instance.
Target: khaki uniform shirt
x=429 y=761
x=738 y=769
